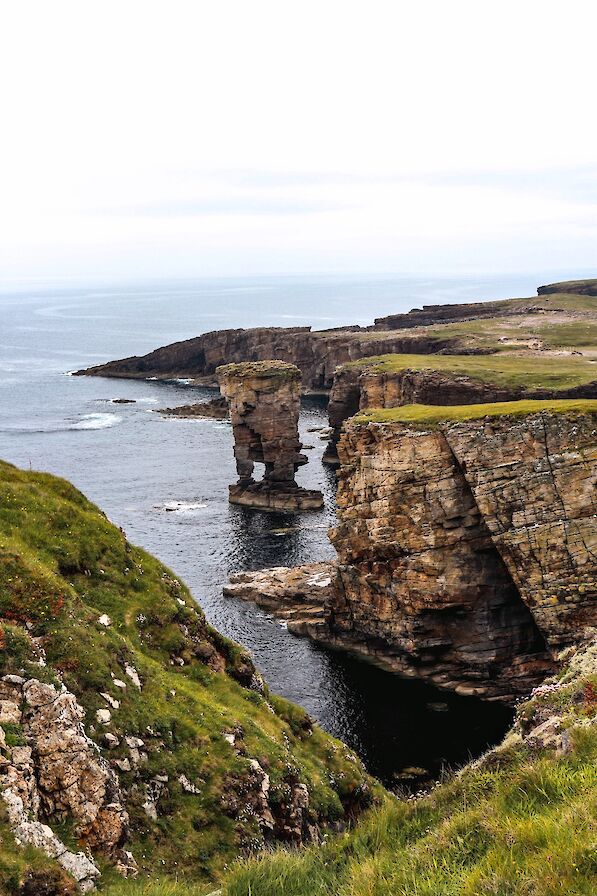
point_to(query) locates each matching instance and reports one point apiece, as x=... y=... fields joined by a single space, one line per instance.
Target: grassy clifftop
x=528 y=372
x=101 y=610
x=427 y=414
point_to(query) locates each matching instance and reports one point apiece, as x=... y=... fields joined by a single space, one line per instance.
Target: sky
x=186 y=138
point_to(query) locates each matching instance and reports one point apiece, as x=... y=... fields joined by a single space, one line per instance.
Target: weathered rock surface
x=264 y=402
x=58 y=775
x=466 y=552
x=360 y=387
x=216 y=408
x=299 y=595
x=534 y=481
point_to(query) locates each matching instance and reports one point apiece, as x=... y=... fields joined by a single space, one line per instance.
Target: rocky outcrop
x=315 y=353
x=570 y=287
x=430 y=315
x=57 y=774
x=534 y=481
x=359 y=387
x=264 y=402
x=301 y=596
x=216 y=408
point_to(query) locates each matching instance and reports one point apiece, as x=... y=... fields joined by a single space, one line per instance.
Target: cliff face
x=571 y=287
x=360 y=386
x=467 y=552
x=316 y=354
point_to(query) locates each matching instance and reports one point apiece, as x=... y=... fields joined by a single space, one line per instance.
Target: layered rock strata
x=264 y=402
x=358 y=387
x=315 y=353
x=467 y=552
x=300 y=596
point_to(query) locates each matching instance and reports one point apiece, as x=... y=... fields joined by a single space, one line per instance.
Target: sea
x=165 y=480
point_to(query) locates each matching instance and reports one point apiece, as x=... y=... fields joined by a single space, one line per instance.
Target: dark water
x=135 y=463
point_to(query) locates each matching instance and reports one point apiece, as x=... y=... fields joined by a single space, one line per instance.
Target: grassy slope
x=62 y=565
x=512 y=371
x=430 y=414
x=520 y=823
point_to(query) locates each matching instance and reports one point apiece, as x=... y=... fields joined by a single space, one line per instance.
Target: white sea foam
x=181 y=506
x=96 y=421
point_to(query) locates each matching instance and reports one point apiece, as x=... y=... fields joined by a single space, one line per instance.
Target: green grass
x=520 y=822
x=522 y=372
x=578 y=334
x=431 y=414
x=62 y=565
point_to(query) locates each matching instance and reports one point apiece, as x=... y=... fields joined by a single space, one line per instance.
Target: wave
x=96 y=421
x=84 y=422
x=181 y=506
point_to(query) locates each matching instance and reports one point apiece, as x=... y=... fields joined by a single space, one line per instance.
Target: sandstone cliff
x=264 y=401
x=395 y=380
x=466 y=541
x=467 y=549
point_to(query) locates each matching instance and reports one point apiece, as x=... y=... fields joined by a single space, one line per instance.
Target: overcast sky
x=200 y=138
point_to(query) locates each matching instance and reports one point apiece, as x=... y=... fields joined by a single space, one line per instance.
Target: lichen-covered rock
x=58 y=775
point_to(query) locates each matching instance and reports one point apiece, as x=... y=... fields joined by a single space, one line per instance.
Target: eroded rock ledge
x=466 y=551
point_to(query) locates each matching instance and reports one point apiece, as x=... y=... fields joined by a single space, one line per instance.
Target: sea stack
x=264 y=402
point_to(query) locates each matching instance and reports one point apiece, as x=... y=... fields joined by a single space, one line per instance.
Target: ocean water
x=165 y=480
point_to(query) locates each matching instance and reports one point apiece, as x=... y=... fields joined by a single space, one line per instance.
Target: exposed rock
x=574 y=287
x=133 y=675
x=217 y=408
x=298 y=595
x=60 y=775
x=430 y=315
x=264 y=401
x=534 y=481
x=316 y=354
x=358 y=387
x=467 y=550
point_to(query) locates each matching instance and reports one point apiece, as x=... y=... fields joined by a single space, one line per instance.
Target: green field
x=525 y=372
